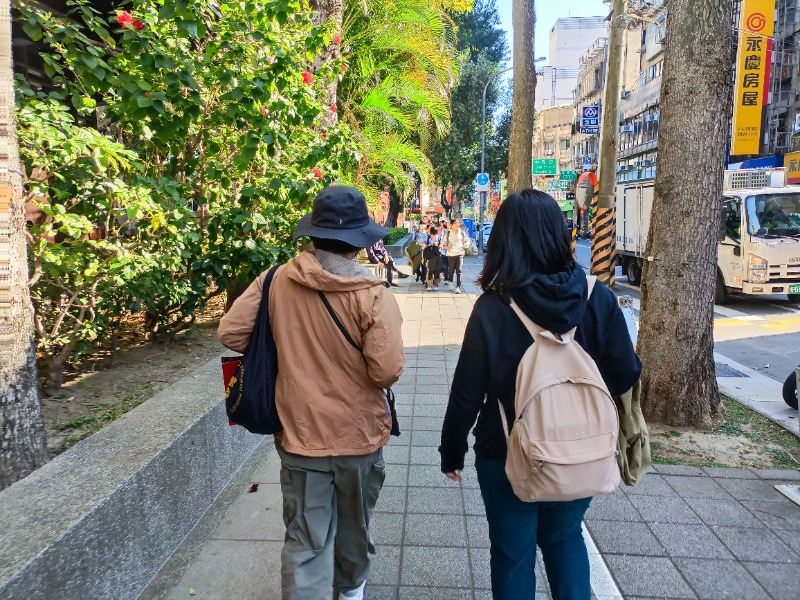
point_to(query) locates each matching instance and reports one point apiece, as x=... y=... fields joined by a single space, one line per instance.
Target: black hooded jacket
x=496 y=339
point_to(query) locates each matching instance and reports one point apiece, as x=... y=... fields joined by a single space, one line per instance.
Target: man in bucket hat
x=329 y=395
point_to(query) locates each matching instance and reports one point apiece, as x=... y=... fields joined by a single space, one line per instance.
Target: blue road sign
x=590 y=119
x=587 y=163
x=482 y=181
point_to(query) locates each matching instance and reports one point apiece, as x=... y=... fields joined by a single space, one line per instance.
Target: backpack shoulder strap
x=532 y=327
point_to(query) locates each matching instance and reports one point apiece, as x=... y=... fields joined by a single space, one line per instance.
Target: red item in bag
x=229 y=366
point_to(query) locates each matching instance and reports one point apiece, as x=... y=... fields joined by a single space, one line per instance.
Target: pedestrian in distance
x=413 y=254
x=377 y=254
x=455 y=244
x=329 y=395
x=530 y=262
x=432 y=256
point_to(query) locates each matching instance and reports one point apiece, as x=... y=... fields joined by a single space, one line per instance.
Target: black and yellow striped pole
x=574 y=238
x=604 y=256
x=604 y=232
x=603 y=221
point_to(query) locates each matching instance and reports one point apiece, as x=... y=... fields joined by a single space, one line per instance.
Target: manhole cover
x=724 y=370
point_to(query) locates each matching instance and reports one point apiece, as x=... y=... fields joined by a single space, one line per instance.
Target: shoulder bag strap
x=336 y=320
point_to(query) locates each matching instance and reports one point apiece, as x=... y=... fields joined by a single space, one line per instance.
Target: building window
x=655 y=71
x=564 y=144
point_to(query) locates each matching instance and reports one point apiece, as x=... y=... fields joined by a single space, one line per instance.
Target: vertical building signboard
x=751 y=90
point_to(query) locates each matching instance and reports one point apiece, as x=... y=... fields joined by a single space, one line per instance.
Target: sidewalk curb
x=759 y=393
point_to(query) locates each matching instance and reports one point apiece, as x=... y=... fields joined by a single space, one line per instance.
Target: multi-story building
x=639 y=108
x=782 y=131
x=552 y=137
x=588 y=92
x=569 y=39
x=637 y=139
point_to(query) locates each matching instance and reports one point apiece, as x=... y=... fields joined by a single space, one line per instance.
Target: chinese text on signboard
x=752 y=73
x=544 y=166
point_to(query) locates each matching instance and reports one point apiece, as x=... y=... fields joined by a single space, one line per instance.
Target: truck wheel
x=794 y=298
x=720 y=293
x=633 y=271
x=790 y=390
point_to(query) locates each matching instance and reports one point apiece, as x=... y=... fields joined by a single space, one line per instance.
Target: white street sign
x=482 y=182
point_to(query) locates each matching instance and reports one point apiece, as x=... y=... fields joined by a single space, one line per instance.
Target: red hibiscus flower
x=308 y=78
x=333 y=108
x=264 y=111
x=343 y=68
x=317 y=173
x=337 y=39
x=124 y=18
x=324 y=135
x=138 y=25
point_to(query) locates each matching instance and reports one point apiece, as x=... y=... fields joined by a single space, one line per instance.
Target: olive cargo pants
x=327 y=507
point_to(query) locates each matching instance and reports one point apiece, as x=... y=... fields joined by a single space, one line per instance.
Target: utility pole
x=604 y=228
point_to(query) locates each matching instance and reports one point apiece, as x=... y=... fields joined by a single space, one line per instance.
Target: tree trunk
x=329 y=10
x=520 y=142
x=676 y=333
x=23 y=447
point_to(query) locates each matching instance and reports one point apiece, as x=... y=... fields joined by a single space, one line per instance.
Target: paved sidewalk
x=682 y=533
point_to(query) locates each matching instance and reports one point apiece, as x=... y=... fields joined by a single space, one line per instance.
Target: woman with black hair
x=528 y=260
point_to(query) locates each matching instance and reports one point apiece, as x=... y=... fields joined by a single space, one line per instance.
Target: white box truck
x=759 y=233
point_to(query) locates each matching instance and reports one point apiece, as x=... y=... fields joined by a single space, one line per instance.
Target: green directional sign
x=566 y=205
x=545 y=166
x=569 y=176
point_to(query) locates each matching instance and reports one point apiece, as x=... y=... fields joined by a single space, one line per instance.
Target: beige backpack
x=563 y=444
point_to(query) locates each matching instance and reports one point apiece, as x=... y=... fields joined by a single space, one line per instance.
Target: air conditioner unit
x=661 y=35
x=651 y=118
x=626 y=129
x=652 y=161
x=549 y=152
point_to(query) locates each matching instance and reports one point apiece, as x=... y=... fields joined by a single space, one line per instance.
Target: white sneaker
x=457 y=290
x=356 y=594
x=447 y=283
x=435 y=288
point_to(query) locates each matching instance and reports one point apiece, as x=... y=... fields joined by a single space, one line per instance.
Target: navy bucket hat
x=340 y=213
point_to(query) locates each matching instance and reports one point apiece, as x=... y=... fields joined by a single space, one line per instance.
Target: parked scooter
x=790 y=389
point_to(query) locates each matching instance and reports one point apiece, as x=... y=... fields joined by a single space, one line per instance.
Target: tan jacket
x=329 y=396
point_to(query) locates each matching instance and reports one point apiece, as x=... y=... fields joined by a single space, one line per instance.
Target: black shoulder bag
x=388 y=393
x=250 y=391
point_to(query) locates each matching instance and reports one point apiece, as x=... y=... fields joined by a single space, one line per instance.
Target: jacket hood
x=328 y=272
x=557 y=301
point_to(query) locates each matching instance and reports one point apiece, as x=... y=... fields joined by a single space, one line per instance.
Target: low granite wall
x=398 y=249
x=100 y=520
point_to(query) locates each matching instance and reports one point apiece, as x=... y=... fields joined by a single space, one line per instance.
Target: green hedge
x=395 y=235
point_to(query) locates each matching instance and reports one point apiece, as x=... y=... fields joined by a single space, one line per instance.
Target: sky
x=546 y=14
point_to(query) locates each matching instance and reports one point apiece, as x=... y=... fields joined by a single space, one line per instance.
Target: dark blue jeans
x=516 y=527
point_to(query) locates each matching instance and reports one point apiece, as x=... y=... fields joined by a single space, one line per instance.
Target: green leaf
x=32 y=30
x=143 y=101
x=188 y=27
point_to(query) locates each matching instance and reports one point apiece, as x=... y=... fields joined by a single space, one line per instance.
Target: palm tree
x=395 y=93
